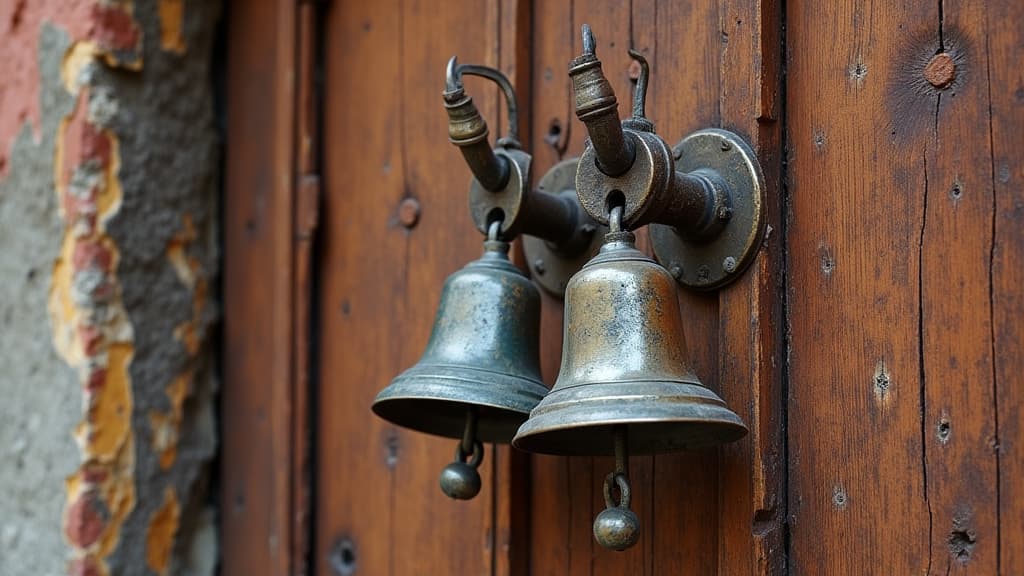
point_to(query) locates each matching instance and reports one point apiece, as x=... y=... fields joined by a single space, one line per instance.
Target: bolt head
x=724 y=213
x=676 y=271
x=538 y=267
x=729 y=264
x=726 y=145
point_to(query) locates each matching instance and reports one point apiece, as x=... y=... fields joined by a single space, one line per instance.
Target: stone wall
x=108 y=257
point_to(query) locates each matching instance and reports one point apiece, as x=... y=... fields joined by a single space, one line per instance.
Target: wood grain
x=892 y=405
x=256 y=492
x=1005 y=42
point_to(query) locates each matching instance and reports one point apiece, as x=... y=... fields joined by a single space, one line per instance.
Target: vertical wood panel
x=257 y=395
x=891 y=411
x=1005 y=43
x=752 y=503
x=385 y=143
x=856 y=192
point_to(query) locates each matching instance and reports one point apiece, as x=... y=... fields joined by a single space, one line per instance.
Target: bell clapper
x=460 y=479
x=617 y=527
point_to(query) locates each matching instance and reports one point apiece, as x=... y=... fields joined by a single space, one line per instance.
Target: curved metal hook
x=640 y=93
x=453 y=82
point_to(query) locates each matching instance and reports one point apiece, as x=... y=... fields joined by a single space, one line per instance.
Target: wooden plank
x=956 y=247
x=384 y=145
x=1005 y=43
x=891 y=410
x=854 y=414
x=752 y=503
x=256 y=492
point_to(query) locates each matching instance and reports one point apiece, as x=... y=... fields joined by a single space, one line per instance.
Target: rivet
x=538 y=267
x=676 y=271
x=940 y=71
x=409 y=212
x=726 y=145
x=729 y=264
x=724 y=213
x=677 y=153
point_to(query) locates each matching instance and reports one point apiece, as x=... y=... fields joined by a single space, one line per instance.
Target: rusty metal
x=626 y=162
x=710 y=263
x=501 y=186
x=480 y=374
x=552 y=265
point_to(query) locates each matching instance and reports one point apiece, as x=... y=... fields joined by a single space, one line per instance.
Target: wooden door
x=874 y=349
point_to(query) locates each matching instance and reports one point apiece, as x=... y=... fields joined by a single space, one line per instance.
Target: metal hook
x=640 y=93
x=453 y=82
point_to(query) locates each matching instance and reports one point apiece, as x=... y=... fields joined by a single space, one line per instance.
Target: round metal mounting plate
x=713 y=263
x=548 y=267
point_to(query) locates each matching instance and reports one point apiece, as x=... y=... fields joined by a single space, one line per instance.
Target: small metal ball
x=460 y=481
x=617 y=528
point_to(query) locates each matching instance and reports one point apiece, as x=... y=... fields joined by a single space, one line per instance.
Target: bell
x=624 y=367
x=480 y=374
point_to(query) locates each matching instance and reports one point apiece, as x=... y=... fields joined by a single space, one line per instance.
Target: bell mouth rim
x=551 y=440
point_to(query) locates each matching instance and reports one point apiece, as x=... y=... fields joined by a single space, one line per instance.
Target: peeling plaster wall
x=108 y=189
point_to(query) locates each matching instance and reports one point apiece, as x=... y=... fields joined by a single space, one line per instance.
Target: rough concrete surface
x=108 y=235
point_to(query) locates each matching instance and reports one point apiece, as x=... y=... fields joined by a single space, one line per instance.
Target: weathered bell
x=624 y=369
x=482 y=356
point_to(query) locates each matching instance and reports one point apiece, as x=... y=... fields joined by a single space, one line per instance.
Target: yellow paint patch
x=172 y=18
x=111 y=412
x=104 y=435
x=108 y=201
x=162 y=530
x=184 y=266
x=167 y=425
x=118 y=492
x=76 y=58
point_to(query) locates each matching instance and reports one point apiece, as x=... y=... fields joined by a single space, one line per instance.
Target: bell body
x=483 y=355
x=624 y=364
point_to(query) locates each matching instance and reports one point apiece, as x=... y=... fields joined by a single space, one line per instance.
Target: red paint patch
x=91 y=338
x=97 y=378
x=19 y=67
x=85 y=522
x=114 y=28
x=91 y=254
x=95 y=144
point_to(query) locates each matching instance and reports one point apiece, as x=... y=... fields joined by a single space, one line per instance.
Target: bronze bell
x=480 y=374
x=624 y=364
x=624 y=386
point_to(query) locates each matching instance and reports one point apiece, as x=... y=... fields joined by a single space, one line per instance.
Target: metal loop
x=478 y=454
x=493 y=229
x=453 y=82
x=622 y=482
x=615 y=219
